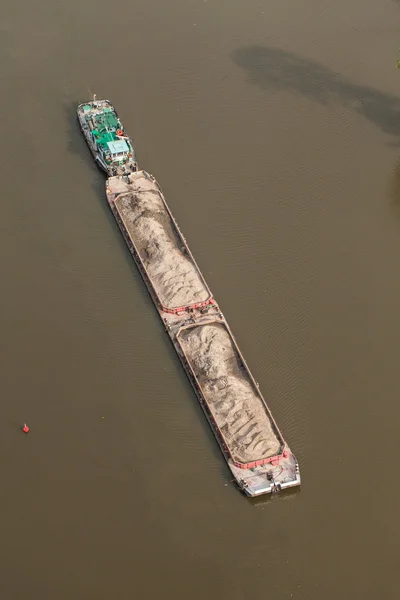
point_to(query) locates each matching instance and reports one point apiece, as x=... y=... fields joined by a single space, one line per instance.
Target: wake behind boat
x=111 y=147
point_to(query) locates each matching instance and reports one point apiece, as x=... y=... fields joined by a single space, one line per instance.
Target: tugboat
x=111 y=147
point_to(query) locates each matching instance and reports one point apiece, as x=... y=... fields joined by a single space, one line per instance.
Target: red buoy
x=25 y=428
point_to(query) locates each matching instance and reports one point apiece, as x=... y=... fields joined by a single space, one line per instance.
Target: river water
x=274 y=130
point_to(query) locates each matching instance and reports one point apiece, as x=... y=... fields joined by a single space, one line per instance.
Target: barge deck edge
x=270 y=475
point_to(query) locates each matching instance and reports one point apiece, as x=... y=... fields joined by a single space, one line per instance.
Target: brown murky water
x=274 y=130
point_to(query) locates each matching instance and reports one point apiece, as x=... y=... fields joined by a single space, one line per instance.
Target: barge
x=250 y=440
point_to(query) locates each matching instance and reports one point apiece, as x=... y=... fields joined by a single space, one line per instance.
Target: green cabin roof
x=107 y=125
x=103 y=137
x=107 y=121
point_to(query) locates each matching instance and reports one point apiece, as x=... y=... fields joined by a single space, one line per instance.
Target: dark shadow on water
x=274 y=69
x=394 y=189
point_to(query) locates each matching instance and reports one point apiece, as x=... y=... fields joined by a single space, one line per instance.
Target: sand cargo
x=251 y=442
x=254 y=448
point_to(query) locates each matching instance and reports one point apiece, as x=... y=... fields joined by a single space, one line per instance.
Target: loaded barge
x=250 y=440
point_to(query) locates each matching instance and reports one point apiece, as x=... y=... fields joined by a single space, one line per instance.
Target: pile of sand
x=173 y=274
x=236 y=406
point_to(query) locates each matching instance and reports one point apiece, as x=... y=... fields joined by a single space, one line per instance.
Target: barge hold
x=253 y=446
